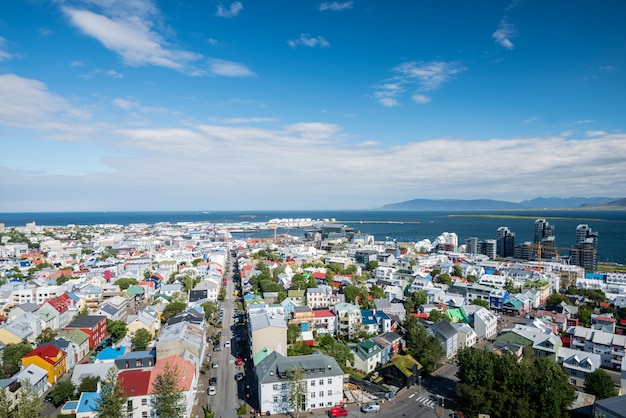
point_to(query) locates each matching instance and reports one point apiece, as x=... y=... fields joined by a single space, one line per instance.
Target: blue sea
x=610 y=225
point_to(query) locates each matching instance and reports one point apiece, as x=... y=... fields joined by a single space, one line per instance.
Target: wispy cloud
x=229 y=68
x=583 y=121
x=336 y=6
x=504 y=33
x=532 y=119
x=4 y=55
x=231 y=11
x=249 y=120
x=308 y=40
x=416 y=76
x=132 y=104
x=110 y=73
x=133 y=37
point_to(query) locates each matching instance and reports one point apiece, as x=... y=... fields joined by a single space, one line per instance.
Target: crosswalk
x=426 y=401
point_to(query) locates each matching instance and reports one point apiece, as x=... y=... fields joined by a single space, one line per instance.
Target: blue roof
x=382 y=315
x=111 y=353
x=368 y=317
x=87 y=402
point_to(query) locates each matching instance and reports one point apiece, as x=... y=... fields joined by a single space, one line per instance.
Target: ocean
x=610 y=224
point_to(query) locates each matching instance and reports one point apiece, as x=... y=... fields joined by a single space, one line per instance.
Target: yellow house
x=49 y=358
x=146 y=319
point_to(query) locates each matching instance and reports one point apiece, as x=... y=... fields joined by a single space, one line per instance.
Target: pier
x=382 y=222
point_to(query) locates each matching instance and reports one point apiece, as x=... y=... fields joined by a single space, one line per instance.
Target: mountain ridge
x=490 y=204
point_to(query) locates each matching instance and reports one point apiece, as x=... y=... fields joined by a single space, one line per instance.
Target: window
x=313 y=405
x=330 y=393
x=321 y=382
x=312 y=395
x=312 y=382
x=330 y=381
x=321 y=393
x=144 y=401
x=130 y=405
x=144 y=414
x=276 y=386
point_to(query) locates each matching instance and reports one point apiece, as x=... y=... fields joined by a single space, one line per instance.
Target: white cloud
x=336 y=6
x=233 y=10
x=229 y=68
x=45 y=32
x=27 y=104
x=417 y=76
x=212 y=41
x=532 y=119
x=132 y=104
x=307 y=40
x=583 y=121
x=504 y=33
x=595 y=133
x=134 y=37
x=420 y=98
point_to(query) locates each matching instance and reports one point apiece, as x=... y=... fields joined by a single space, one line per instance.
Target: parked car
x=212 y=390
x=239 y=361
x=239 y=376
x=227 y=344
x=215 y=365
x=370 y=407
x=337 y=412
x=213 y=381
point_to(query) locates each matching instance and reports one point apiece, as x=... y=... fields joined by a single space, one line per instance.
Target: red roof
x=322 y=313
x=48 y=353
x=319 y=275
x=60 y=303
x=134 y=382
x=604 y=319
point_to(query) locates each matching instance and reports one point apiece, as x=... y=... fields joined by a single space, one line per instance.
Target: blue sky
x=210 y=105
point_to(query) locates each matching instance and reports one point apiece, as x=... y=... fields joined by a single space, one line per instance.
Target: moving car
x=370 y=407
x=337 y=412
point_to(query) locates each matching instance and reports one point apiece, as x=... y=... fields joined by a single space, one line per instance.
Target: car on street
x=215 y=365
x=213 y=381
x=370 y=407
x=337 y=412
x=212 y=390
x=239 y=376
x=227 y=344
x=239 y=361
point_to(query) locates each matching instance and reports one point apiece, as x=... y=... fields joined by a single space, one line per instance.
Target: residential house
x=368 y=322
x=93 y=325
x=390 y=343
x=401 y=371
x=135 y=384
x=180 y=338
x=513 y=307
x=49 y=358
x=367 y=356
x=578 y=364
x=11 y=388
x=447 y=335
x=25 y=327
x=324 y=322
x=610 y=347
x=323 y=380
x=497 y=298
x=466 y=335
x=485 y=323
x=348 y=316
x=79 y=341
x=146 y=319
x=68 y=348
x=297 y=296
x=188 y=377
x=136 y=360
x=267 y=331
x=204 y=291
x=383 y=321
x=109 y=354
x=36 y=376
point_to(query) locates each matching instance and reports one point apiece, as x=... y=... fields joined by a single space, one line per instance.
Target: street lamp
x=442 y=405
x=419 y=379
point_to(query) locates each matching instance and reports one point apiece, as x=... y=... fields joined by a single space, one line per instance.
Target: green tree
x=445 y=279
x=111 y=402
x=600 y=384
x=88 y=384
x=293 y=333
x=458 y=270
x=12 y=355
x=209 y=308
x=556 y=298
x=168 y=401
x=419 y=298
x=351 y=292
x=62 y=392
x=424 y=347
x=6 y=409
x=173 y=308
x=377 y=292
x=28 y=403
x=141 y=339
x=126 y=282
x=339 y=351
x=481 y=302
x=436 y=316
x=371 y=265
x=296 y=395
x=117 y=329
x=47 y=335
x=584 y=315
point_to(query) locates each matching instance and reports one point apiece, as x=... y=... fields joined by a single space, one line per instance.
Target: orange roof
x=48 y=353
x=186 y=371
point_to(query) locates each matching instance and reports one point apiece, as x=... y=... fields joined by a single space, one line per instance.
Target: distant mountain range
x=486 y=204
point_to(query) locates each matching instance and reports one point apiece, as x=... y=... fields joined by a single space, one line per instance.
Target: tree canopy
x=600 y=384
x=12 y=355
x=498 y=385
x=141 y=339
x=117 y=329
x=112 y=401
x=168 y=401
x=424 y=347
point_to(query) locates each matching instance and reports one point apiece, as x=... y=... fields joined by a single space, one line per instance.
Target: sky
x=237 y=105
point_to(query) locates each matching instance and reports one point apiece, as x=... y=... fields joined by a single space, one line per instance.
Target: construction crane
x=540 y=249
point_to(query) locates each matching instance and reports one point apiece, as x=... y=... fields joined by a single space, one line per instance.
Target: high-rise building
x=471 y=245
x=585 y=251
x=505 y=242
x=543 y=229
x=488 y=248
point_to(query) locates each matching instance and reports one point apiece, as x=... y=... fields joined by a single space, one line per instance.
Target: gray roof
x=275 y=366
x=264 y=320
x=445 y=329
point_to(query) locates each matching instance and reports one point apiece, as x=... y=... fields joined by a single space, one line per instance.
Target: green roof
x=258 y=357
x=75 y=335
x=135 y=290
x=404 y=364
x=295 y=293
x=457 y=315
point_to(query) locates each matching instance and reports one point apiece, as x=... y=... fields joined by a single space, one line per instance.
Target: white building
x=322 y=382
